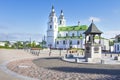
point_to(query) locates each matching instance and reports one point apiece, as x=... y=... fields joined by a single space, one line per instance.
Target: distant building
x=2 y=43
x=117 y=44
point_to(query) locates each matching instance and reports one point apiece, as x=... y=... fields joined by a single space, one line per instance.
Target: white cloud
x=95 y=19
x=110 y=34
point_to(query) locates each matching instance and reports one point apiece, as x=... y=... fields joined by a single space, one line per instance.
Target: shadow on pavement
x=87 y=70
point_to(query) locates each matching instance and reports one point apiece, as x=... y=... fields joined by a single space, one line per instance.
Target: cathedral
x=59 y=35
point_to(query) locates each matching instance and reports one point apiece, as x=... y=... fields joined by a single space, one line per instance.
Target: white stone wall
x=63 y=33
x=76 y=33
x=2 y=43
x=52 y=32
x=67 y=45
x=111 y=48
x=81 y=32
x=63 y=22
x=72 y=32
x=104 y=43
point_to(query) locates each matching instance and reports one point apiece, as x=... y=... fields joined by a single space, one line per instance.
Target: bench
x=36 y=49
x=33 y=51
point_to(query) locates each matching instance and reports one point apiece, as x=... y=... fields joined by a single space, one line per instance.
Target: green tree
x=33 y=44
x=111 y=43
x=14 y=45
x=18 y=45
x=28 y=44
x=7 y=43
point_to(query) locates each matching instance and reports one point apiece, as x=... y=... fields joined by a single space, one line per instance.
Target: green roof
x=73 y=28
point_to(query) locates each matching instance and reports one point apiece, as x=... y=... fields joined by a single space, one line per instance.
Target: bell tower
x=62 y=21
x=52 y=29
x=92 y=49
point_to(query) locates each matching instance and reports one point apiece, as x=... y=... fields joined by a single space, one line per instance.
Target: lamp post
x=60 y=51
x=30 y=44
x=42 y=43
x=77 y=47
x=55 y=43
x=50 y=49
x=66 y=45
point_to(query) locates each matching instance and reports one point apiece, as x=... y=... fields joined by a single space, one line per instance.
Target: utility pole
x=30 y=45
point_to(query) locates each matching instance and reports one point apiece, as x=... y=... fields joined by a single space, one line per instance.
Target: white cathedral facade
x=61 y=36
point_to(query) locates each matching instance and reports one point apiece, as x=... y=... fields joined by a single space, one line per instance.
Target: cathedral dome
x=61 y=15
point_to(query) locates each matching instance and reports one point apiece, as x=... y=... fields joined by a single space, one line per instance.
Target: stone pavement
x=58 y=69
x=7 y=55
x=55 y=69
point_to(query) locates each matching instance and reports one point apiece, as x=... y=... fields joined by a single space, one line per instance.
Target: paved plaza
x=45 y=67
x=8 y=55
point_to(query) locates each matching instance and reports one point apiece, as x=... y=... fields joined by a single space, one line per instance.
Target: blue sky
x=22 y=19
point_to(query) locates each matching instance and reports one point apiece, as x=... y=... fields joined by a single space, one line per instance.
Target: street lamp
x=66 y=45
x=50 y=49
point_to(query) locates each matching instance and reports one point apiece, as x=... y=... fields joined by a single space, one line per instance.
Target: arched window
x=60 y=22
x=118 y=47
x=70 y=42
x=66 y=34
x=73 y=34
x=50 y=26
x=57 y=42
x=78 y=42
x=64 y=42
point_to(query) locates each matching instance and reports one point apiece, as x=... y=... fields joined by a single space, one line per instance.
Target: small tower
x=52 y=29
x=78 y=23
x=92 y=49
x=62 y=21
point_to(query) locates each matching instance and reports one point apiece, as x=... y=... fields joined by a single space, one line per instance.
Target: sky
x=25 y=19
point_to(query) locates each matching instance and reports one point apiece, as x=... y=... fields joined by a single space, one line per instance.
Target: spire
x=62 y=21
x=61 y=12
x=78 y=23
x=53 y=8
x=52 y=13
x=61 y=15
x=92 y=20
x=92 y=29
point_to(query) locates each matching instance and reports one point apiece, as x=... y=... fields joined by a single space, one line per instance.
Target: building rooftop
x=92 y=29
x=73 y=28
